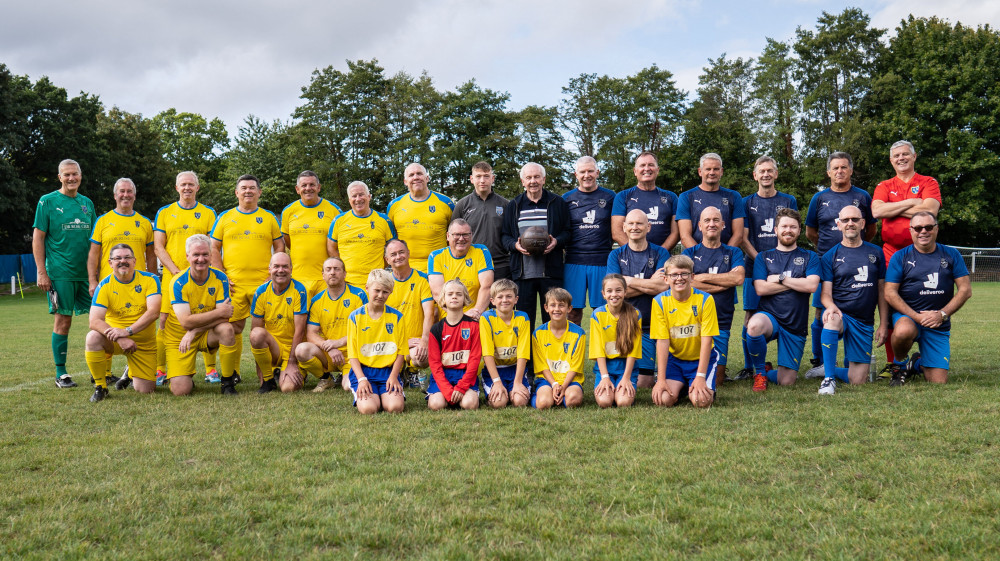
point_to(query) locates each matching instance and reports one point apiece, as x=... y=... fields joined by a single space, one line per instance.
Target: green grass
x=872 y=473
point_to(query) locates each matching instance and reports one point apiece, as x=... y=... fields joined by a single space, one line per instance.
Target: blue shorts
x=857 y=337
x=453 y=376
x=750 y=298
x=581 y=279
x=377 y=378
x=616 y=369
x=648 y=360
x=543 y=383
x=721 y=344
x=790 y=346
x=935 y=345
x=686 y=370
x=507 y=375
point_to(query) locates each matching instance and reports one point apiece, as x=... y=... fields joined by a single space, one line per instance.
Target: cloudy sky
x=230 y=59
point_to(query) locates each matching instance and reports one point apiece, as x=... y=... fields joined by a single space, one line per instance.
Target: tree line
x=842 y=85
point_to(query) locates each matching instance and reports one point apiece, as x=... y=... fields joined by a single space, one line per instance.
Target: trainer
x=920 y=286
x=483 y=209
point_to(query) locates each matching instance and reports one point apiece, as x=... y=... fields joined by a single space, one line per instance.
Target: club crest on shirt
x=725 y=259
x=499 y=211
x=373 y=224
x=914 y=189
x=663 y=200
x=872 y=258
x=652 y=262
x=431 y=209
x=694 y=310
x=211 y=290
x=197 y=216
x=319 y=214
x=799 y=260
x=856 y=203
x=565 y=347
x=515 y=332
x=388 y=327
x=466 y=333
x=944 y=263
x=260 y=220
x=137 y=225
x=288 y=300
x=602 y=203
x=725 y=201
x=468 y=262
x=138 y=288
x=347 y=302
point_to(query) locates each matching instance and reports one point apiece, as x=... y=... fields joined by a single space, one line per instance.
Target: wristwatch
x=128 y=330
x=782 y=276
x=944 y=316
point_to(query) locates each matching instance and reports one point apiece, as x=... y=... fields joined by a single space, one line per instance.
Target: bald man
x=280 y=310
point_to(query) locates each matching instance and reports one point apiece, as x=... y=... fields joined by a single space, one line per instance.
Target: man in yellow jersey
x=420 y=216
x=280 y=311
x=359 y=236
x=463 y=260
x=684 y=321
x=325 y=349
x=411 y=296
x=125 y=306
x=199 y=319
x=304 y=225
x=243 y=239
x=173 y=225
x=121 y=225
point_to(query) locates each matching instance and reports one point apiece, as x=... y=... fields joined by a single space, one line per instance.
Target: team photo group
x=489 y=294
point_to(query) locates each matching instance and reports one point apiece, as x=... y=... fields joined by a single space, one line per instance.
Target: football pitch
x=870 y=473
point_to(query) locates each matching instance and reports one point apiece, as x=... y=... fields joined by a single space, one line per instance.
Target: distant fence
x=23 y=264
x=983 y=262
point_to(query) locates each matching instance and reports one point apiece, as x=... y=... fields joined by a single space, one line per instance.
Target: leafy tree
x=194 y=143
x=132 y=148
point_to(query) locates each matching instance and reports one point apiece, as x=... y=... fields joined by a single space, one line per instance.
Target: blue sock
x=828 y=341
x=757 y=347
x=841 y=374
x=816 y=329
x=772 y=376
x=746 y=350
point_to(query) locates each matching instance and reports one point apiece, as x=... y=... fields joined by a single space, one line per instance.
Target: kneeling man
x=125 y=306
x=279 y=324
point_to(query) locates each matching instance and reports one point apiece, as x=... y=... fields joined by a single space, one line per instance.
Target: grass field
x=871 y=473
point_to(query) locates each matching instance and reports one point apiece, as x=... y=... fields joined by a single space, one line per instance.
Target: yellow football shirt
x=466 y=269
x=178 y=224
x=560 y=355
x=361 y=243
x=279 y=311
x=423 y=225
x=331 y=314
x=505 y=342
x=376 y=342
x=112 y=229
x=603 y=328
x=246 y=239
x=126 y=302
x=684 y=323
x=306 y=228
x=200 y=298
x=408 y=297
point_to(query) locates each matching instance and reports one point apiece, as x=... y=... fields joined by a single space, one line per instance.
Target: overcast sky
x=233 y=59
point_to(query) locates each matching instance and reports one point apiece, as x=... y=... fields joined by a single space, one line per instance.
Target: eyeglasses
x=461 y=236
x=117 y=259
x=851 y=219
x=678 y=276
x=919 y=229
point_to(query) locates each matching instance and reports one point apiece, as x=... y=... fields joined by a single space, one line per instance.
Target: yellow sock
x=263 y=359
x=97 y=363
x=107 y=369
x=229 y=359
x=313 y=366
x=239 y=350
x=161 y=352
x=209 y=359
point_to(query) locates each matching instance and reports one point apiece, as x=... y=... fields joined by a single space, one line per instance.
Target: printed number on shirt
x=456 y=358
x=379 y=349
x=683 y=331
x=506 y=353
x=560 y=366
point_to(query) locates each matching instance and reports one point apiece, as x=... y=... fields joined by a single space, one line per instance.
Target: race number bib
x=559 y=366
x=684 y=331
x=379 y=349
x=456 y=358
x=506 y=354
x=610 y=349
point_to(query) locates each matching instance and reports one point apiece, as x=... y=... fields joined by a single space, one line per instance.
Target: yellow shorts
x=141 y=363
x=242 y=299
x=166 y=291
x=183 y=364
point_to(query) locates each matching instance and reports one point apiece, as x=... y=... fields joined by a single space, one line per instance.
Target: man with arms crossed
x=590 y=239
x=200 y=310
x=784 y=277
x=172 y=227
x=853 y=275
x=60 y=243
x=483 y=209
x=920 y=287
